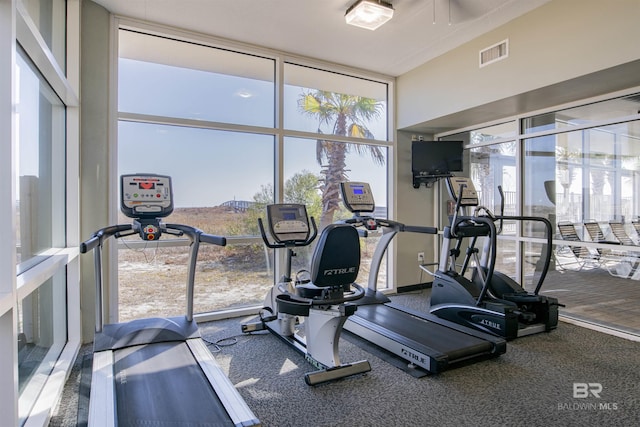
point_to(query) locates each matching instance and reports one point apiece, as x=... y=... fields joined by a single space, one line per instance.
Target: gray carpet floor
x=532 y=384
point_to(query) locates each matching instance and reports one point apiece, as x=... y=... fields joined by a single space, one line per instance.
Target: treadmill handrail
x=117 y=231
x=389 y=229
x=373 y=223
x=103 y=234
x=97 y=239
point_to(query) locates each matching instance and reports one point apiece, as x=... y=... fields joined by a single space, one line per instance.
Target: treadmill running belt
x=162 y=384
x=457 y=345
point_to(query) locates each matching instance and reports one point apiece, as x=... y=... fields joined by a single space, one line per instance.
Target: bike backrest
x=336 y=258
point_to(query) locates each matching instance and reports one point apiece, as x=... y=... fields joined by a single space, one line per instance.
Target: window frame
x=17 y=27
x=520 y=137
x=278 y=131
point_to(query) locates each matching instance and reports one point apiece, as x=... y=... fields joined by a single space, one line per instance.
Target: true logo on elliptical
x=336 y=271
x=491 y=324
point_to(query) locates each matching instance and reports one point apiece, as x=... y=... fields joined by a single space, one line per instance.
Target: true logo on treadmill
x=413 y=356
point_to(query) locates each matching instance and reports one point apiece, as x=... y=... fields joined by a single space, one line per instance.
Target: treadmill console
x=469 y=193
x=146 y=196
x=357 y=196
x=288 y=222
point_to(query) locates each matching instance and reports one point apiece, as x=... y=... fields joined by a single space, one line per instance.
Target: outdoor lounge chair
x=596 y=233
x=636 y=226
x=625 y=264
x=583 y=257
x=618 y=230
x=631 y=257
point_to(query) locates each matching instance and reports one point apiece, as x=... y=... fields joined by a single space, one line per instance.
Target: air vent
x=494 y=53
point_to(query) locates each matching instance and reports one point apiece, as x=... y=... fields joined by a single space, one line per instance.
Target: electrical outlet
x=421 y=257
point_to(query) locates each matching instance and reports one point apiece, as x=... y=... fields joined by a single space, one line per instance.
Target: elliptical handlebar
x=492 y=261
x=490 y=220
x=290 y=243
x=455 y=212
x=549 y=237
x=549 y=243
x=499 y=230
x=549 y=234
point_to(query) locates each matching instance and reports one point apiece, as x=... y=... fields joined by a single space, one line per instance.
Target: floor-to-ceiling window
x=577 y=167
x=344 y=106
x=491 y=162
x=40 y=215
x=40 y=290
x=581 y=171
x=237 y=128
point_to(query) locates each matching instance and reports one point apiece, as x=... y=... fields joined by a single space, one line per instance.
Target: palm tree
x=566 y=174
x=346 y=115
x=599 y=164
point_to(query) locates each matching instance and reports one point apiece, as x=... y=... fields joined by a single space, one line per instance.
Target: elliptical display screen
x=469 y=193
x=357 y=196
x=146 y=195
x=288 y=222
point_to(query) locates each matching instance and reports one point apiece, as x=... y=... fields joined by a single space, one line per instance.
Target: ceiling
x=317 y=29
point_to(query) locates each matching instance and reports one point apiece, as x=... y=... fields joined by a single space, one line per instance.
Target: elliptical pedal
x=526 y=316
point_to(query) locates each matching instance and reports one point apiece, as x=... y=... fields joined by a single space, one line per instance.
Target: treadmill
x=422 y=339
x=157 y=371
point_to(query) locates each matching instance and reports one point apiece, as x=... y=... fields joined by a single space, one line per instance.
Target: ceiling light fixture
x=369 y=14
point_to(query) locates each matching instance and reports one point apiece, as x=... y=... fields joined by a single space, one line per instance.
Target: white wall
x=561 y=41
x=415 y=207
x=94 y=159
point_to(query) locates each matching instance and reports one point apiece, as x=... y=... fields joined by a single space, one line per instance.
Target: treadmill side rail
x=235 y=405
x=102 y=404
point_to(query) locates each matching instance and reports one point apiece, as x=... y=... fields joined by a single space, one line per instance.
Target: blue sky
x=210 y=167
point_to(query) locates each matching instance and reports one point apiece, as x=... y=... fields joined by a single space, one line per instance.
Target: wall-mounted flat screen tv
x=436 y=158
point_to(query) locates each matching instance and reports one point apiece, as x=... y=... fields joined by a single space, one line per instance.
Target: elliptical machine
x=490 y=301
x=322 y=300
x=544 y=308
